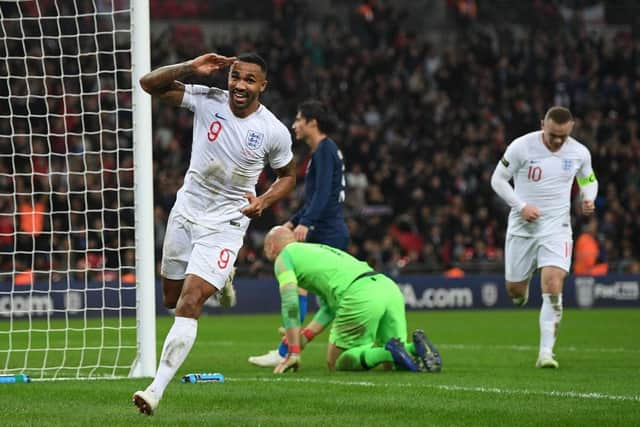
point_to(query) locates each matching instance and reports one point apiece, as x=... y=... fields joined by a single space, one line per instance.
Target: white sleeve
x=504 y=171
x=280 y=154
x=587 y=179
x=193 y=95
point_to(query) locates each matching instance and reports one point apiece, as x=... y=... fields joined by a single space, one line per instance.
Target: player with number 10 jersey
x=543 y=179
x=543 y=165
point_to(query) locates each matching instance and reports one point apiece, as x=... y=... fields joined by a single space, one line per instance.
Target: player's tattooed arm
x=163 y=82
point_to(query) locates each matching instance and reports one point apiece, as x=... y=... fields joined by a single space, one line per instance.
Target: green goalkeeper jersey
x=320 y=269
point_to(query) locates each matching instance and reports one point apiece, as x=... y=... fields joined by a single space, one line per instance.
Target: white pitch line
x=484 y=347
x=559 y=349
x=445 y=387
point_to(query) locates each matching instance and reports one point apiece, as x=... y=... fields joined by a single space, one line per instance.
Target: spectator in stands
x=586 y=252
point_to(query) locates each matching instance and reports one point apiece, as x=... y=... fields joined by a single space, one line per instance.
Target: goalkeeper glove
x=290 y=362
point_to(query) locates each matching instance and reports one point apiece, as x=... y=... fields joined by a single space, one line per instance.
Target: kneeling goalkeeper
x=367 y=309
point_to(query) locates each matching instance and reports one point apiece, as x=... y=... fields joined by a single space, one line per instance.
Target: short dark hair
x=314 y=109
x=253 y=58
x=559 y=115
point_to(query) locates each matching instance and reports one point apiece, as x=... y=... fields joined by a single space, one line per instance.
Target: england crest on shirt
x=254 y=139
x=567 y=164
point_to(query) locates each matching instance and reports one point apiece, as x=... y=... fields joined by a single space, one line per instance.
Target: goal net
x=70 y=278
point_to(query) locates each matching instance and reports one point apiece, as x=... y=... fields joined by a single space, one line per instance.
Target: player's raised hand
x=588 y=207
x=530 y=213
x=289 y=363
x=255 y=208
x=210 y=63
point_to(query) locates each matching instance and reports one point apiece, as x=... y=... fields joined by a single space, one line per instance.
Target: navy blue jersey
x=324 y=192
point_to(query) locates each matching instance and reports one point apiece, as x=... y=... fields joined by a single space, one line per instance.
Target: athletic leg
x=176 y=251
x=518 y=291
x=334 y=353
x=392 y=327
x=552 y=281
x=520 y=263
x=554 y=258
x=360 y=358
x=171 y=290
x=178 y=342
x=355 y=324
x=210 y=263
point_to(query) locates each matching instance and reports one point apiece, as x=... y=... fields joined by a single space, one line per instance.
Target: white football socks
x=550 y=317
x=176 y=347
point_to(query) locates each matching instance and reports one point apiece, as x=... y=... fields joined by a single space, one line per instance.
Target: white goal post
x=77 y=274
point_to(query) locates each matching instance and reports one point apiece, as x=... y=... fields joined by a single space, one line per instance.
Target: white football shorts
x=190 y=248
x=523 y=255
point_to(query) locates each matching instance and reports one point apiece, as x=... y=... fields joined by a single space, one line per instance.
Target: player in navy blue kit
x=321 y=218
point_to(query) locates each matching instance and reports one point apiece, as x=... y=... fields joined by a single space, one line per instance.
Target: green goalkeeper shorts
x=371 y=312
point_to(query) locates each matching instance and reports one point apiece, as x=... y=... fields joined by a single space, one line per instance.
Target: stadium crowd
x=422 y=126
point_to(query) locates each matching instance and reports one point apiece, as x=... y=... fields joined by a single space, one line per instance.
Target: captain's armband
x=591 y=178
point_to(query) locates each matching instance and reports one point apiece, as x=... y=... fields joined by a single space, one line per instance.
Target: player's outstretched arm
x=164 y=82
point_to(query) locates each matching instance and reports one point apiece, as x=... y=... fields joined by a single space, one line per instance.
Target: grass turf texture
x=488 y=379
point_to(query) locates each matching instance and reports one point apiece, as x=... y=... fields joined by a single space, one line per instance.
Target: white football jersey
x=544 y=179
x=227 y=157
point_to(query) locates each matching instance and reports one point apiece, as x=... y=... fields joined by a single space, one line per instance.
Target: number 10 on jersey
x=535 y=173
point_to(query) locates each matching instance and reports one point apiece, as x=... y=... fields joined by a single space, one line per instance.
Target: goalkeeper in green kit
x=367 y=309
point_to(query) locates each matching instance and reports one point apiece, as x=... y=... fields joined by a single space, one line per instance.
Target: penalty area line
x=446 y=387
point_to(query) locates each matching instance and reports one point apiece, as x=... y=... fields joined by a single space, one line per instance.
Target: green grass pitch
x=488 y=379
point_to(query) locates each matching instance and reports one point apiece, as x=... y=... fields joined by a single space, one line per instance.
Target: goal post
x=144 y=365
x=77 y=275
